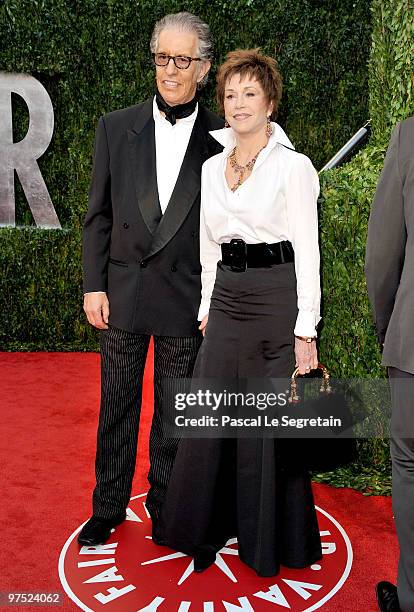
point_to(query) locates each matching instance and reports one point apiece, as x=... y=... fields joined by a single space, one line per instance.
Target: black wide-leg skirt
x=223 y=488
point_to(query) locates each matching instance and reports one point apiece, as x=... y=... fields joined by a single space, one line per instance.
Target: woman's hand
x=203 y=325
x=306 y=355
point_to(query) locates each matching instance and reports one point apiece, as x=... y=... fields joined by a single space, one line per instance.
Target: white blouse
x=278 y=201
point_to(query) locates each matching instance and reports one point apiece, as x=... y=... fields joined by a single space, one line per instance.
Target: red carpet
x=49 y=413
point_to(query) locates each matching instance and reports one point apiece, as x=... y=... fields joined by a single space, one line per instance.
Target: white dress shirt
x=171 y=142
x=278 y=201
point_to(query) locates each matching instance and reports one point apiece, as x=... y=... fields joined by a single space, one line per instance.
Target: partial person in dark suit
x=141 y=260
x=389 y=272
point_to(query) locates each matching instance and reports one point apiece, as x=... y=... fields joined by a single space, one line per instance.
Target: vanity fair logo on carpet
x=131 y=573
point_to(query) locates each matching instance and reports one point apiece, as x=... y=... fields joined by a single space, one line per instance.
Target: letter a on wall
x=22 y=156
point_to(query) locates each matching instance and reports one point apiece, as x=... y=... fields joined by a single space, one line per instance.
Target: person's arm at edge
x=386 y=239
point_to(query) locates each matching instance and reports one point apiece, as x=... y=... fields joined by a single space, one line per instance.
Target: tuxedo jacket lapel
x=141 y=140
x=186 y=189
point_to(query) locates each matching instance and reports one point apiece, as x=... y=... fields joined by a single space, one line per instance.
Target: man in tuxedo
x=141 y=261
x=389 y=272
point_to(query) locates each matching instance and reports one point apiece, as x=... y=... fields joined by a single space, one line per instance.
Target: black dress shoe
x=157 y=536
x=202 y=562
x=158 y=541
x=387 y=597
x=97 y=530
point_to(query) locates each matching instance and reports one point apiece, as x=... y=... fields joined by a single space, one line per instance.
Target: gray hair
x=186 y=22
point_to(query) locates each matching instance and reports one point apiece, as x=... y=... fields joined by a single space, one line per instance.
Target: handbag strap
x=325 y=387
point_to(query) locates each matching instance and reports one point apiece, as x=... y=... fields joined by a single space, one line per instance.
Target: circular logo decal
x=131 y=573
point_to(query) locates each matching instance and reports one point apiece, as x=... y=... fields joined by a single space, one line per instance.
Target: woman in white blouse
x=259 y=312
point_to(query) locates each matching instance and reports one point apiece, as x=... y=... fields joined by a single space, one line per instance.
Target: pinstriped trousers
x=123 y=356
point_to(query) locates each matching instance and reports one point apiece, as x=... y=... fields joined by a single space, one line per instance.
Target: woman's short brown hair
x=252 y=63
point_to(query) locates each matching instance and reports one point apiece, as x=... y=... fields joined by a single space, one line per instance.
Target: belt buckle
x=239 y=255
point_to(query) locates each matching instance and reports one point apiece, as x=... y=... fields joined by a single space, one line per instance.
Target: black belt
x=240 y=256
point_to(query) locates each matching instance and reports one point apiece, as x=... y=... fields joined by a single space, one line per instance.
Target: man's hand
x=96 y=307
x=306 y=356
x=203 y=325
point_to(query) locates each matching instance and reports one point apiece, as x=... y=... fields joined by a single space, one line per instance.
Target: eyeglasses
x=180 y=61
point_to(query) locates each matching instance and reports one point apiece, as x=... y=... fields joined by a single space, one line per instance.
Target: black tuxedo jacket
x=148 y=263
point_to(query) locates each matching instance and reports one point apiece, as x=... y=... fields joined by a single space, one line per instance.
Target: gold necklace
x=240 y=170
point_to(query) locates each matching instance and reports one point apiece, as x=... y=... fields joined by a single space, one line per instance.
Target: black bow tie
x=172 y=113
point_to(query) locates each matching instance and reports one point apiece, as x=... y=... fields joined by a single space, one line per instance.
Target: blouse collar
x=227 y=138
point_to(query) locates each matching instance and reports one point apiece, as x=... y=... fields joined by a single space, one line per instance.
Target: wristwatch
x=306 y=338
